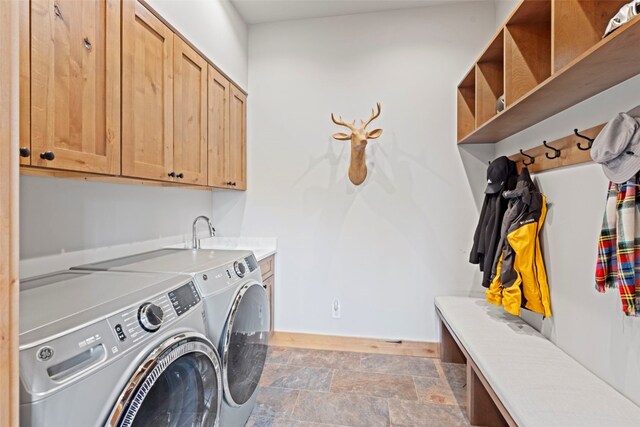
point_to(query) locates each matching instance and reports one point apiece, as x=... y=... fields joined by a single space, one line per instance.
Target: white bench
x=516 y=377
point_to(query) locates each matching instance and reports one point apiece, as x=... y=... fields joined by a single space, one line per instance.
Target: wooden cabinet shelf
x=554 y=57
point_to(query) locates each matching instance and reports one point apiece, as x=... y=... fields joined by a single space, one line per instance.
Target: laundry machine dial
x=240 y=269
x=150 y=317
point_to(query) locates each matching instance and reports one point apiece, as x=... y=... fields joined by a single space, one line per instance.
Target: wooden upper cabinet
x=190 y=114
x=75 y=85
x=238 y=139
x=147 y=101
x=218 y=119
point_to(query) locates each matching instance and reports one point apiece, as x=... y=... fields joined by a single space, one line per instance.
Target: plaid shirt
x=618 y=263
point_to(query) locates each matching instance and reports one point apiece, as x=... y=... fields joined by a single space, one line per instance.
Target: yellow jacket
x=519 y=276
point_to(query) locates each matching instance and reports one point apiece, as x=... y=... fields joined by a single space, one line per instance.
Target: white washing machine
x=116 y=349
x=237 y=310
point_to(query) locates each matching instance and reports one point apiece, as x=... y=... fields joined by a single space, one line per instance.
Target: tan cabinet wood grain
x=218 y=118
x=147 y=101
x=24 y=10
x=75 y=85
x=190 y=114
x=238 y=139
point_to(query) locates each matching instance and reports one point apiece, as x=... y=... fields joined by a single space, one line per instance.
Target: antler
x=374 y=116
x=341 y=122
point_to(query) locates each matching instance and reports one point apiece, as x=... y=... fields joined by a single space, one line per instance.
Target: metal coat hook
x=580 y=147
x=532 y=159
x=556 y=152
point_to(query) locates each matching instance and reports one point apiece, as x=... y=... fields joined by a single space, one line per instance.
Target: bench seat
x=536 y=382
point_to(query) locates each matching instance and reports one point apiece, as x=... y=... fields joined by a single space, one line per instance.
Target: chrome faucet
x=212 y=231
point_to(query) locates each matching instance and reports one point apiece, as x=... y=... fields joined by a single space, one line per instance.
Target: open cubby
x=578 y=25
x=548 y=56
x=467 y=104
x=527 y=49
x=489 y=79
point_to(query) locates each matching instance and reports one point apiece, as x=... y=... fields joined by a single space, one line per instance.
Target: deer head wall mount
x=359 y=138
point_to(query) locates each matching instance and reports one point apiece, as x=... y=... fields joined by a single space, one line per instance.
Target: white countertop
x=262 y=247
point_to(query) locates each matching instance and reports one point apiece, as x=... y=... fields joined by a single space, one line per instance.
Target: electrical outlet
x=335 y=309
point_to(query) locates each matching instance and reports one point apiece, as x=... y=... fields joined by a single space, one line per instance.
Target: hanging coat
x=519 y=278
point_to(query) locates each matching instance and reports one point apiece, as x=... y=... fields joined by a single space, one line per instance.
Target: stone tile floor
x=306 y=388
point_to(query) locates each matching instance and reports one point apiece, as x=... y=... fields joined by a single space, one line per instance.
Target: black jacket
x=487 y=235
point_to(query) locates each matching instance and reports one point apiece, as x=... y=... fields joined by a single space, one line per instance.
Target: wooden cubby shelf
x=549 y=56
x=467 y=105
x=489 y=80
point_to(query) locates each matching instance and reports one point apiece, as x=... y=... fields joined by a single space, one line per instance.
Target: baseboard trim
x=355 y=344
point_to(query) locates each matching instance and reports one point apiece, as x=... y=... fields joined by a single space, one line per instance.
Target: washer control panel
x=134 y=324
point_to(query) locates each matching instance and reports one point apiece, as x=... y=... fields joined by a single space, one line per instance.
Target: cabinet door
x=147 y=94
x=238 y=139
x=218 y=118
x=190 y=114
x=75 y=85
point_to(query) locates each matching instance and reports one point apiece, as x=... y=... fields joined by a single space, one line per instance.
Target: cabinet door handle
x=87 y=43
x=180 y=175
x=172 y=174
x=47 y=155
x=25 y=152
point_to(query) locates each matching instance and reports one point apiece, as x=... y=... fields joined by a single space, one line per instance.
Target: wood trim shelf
x=358 y=345
x=55 y=173
x=610 y=61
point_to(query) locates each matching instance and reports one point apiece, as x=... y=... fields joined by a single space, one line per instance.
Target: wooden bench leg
x=449 y=350
x=482 y=410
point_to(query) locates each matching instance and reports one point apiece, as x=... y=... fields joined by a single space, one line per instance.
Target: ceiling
x=258 y=11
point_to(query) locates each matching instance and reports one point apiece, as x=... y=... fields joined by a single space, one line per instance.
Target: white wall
x=386 y=248
x=63 y=215
x=60 y=215
x=214 y=27
x=587 y=325
x=503 y=10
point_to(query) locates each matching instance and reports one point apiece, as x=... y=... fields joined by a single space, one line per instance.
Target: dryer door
x=179 y=384
x=244 y=343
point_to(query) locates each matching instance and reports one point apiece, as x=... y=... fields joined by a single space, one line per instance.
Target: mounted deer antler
x=359 y=138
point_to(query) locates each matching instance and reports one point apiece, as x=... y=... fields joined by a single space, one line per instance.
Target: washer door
x=178 y=385
x=244 y=343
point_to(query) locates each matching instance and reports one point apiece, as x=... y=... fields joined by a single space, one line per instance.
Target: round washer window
x=184 y=395
x=178 y=385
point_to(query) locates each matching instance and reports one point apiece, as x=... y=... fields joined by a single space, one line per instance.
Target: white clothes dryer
x=116 y=349
x=237 y=310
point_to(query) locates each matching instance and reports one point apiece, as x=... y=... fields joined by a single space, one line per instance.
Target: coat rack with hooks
x=559 y=153
x=572 y=149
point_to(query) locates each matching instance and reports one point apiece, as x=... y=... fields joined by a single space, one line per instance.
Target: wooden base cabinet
x=267 y=268
x=75 y=85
